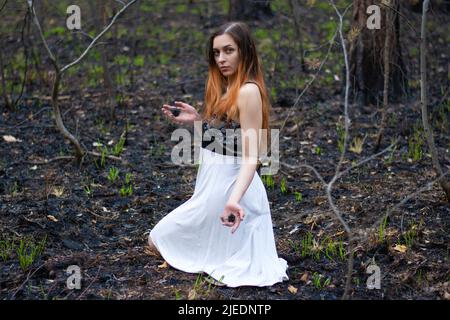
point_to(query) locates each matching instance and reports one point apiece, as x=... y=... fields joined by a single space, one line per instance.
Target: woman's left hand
x=233 y=209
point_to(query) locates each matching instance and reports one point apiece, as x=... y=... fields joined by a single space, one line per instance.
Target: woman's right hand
x=188 y=114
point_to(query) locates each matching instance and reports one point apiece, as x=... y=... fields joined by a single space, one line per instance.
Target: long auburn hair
x=249 y=69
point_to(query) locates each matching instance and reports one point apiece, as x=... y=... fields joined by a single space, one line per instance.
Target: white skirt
x=191 y=238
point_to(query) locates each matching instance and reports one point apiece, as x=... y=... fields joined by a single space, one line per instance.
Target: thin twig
x=98 y=37
x=26 y=280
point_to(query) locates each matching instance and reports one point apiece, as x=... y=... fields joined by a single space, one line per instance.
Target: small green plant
x=391 y=155
x=139 y=61
x=268 y=181
x=198 y=288
x=409 y=237
x=127 y=189
x=101 y=126
x=283 y=185
x=317 y=150
x=415 y=144
x=419 y=277
x=317 y=251
x=382 y=229
x=307 y=244
x=294 y=246
x=317 y=281
x=103 y=153
x=298 y=196
x=330 y=248
x=128 y=178
x=113 y=174
x=157 y=151
x=357 y=144
x=28 y=251
x=118 y=147
x=342 y=250
x=14 y=189
x=7 y=248
x=177 y=295
x=87 y=187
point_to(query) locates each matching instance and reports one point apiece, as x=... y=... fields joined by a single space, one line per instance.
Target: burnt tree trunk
x=249 y=10
x=366 y=55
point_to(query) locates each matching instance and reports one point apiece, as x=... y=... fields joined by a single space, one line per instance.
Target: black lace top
x=219 y=140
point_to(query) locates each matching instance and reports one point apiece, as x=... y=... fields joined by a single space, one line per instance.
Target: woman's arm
x=250 y=111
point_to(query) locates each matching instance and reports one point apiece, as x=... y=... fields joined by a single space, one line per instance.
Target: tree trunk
x=387 y=57
x=3 y=83
x=424 y=104
x=296 y=14
x=366 y=48
x=249 y=10
x=98 y=11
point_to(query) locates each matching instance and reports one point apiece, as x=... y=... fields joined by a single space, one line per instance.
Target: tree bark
x=424 y=102
x=387 y=56
x=366 y=56
x=3 y=83
x=296 y=14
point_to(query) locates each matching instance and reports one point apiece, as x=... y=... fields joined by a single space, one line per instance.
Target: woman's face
x=226 y=54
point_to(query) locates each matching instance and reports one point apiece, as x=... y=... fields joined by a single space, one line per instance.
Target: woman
x=195 y=237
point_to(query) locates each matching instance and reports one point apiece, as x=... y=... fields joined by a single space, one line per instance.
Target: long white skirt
x=192 y=238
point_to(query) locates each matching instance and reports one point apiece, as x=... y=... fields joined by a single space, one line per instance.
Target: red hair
x=249 y=69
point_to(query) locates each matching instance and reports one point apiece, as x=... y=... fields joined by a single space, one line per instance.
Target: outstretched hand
x=187 y=113
x=232 y=216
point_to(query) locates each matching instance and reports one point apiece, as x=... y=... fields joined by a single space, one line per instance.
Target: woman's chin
x=227 y=73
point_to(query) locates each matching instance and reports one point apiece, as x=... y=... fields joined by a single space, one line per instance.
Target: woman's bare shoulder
x=249 y=94
x=249 y=88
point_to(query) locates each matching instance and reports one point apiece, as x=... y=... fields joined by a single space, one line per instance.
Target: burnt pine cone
x=175 y=111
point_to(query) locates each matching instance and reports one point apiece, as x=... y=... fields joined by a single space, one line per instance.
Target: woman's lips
x=224 y=68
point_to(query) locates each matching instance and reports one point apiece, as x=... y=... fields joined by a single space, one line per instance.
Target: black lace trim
x=223 y=125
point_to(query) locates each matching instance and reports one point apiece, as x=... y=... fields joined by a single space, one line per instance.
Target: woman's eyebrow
x=225 y=46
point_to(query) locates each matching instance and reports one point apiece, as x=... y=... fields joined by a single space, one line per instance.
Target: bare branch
x=98 y=37
x=294 y=167
x=341 y=160
x=340 y=174
x=3 y=6
x=41 y=34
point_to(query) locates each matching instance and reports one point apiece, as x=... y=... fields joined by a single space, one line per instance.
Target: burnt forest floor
x=80 y=218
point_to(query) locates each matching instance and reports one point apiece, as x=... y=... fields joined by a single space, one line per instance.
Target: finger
x=236 y=225
x=226 y=223
x=181 y=105
x=170 y=115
